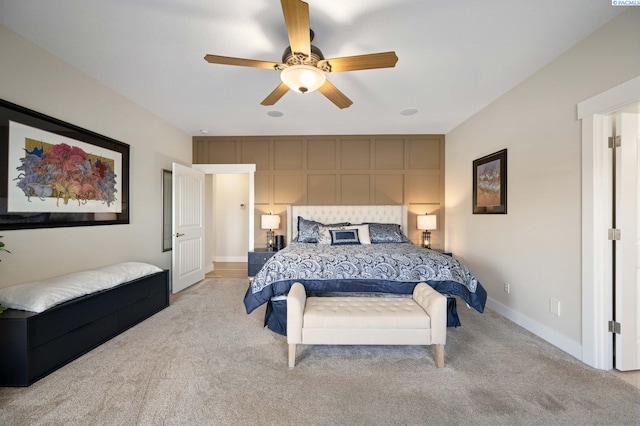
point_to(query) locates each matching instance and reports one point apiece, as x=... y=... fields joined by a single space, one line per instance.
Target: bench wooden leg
x=439 y=356
x=292 y=355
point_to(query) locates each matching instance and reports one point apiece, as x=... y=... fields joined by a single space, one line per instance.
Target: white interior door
x=627 y=268
x=187 y=259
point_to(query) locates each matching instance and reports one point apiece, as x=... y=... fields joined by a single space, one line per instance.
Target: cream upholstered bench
x=421 y=320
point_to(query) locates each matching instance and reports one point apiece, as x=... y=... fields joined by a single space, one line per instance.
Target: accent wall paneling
x=321 y=154
x=254 y=152
x=334 y=169
x=288 y=154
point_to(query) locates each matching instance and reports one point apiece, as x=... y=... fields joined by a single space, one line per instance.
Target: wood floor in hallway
x=228 y=270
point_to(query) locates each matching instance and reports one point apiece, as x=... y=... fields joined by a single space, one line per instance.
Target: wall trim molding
x=242 y=259
x=558 y=340
x=611 y=100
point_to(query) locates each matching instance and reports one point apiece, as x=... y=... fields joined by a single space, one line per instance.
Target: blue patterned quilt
x=371 y=268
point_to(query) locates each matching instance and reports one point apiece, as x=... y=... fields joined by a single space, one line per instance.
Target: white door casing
x=597 y=348
x=187 y=259
x=627 y=267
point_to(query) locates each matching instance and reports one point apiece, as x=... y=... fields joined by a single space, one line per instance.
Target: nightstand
x=446 y=253
x=257 y=259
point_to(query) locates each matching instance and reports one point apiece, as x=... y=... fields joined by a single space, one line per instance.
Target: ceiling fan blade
x=227 y=60
x=275 y=95
x=334 y=95
x=296 y=18
x=360 y=62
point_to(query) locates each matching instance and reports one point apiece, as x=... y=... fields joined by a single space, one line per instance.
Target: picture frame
x=490 y=184
x=56 y=174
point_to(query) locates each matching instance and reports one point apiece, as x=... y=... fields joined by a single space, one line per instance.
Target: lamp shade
x=303 y=78
x=427 y=221
x=270 y=221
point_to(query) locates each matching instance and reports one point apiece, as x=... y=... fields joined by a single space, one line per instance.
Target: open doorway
x=598 y=221
x=229 y=211
x=230 y=200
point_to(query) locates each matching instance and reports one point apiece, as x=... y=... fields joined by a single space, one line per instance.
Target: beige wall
x=337 y=170
x=231 y=236
x=536 y=247
x=34 y=78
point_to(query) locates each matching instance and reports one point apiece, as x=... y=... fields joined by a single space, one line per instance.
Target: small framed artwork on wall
x=490 y=184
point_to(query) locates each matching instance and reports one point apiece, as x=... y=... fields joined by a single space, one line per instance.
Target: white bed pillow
x=38 y=296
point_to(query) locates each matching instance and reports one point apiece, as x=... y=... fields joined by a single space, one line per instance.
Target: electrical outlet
x=507 y=288
x=554 y=306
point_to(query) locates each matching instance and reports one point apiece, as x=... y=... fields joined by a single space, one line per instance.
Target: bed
x=356 y=250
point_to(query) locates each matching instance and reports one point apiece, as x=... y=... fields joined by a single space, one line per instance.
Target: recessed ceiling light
x=409 y=111
x=204 y=131
x=275 y=114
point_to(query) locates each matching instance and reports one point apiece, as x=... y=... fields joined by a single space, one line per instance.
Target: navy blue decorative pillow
x=344 y=237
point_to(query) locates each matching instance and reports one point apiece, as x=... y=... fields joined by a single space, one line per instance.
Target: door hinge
x=614 y=234
x=614 y=327
x=614 y=141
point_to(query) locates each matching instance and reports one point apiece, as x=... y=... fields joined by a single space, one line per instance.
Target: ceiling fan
x=303 y=67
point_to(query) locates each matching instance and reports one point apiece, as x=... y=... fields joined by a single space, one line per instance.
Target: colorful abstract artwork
x=56 y=174
x=52 y=173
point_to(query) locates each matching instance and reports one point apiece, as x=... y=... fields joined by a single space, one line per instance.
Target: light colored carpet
x=204 y=361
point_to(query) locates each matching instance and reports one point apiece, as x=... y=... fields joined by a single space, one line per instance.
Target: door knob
x=178 y=235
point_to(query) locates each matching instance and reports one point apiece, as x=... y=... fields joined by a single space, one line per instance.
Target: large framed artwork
x=490 y=184
x=55 y=174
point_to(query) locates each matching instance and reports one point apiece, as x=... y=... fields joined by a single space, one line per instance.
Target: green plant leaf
x=2 y=247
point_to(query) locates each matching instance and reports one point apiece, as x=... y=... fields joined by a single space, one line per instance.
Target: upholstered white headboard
x=352 y=214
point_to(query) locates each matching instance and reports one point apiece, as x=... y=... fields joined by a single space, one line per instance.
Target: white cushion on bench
x=38 y=296
x=364 y=313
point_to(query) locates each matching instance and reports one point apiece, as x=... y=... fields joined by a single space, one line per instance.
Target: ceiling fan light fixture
x=303 y=78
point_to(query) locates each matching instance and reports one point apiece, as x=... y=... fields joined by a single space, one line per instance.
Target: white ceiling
x=455 y=56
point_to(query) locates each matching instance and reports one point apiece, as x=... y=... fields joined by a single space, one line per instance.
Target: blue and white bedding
x=363 y=268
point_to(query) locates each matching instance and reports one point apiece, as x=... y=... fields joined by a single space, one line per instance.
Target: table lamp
x=427 y=223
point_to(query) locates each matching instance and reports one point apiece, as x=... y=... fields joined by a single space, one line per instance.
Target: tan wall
x=337 y=170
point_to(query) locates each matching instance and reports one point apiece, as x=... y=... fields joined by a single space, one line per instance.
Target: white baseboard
x=208 y=269
x=562 y=342
x=230 y=259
